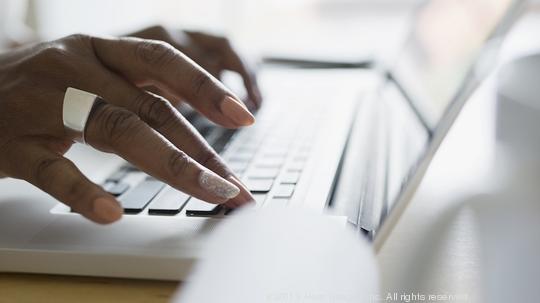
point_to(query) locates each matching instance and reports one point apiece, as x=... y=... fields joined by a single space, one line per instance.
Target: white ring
x=77 y=107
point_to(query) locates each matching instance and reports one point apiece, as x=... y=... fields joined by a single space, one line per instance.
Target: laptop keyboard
x=269 y=157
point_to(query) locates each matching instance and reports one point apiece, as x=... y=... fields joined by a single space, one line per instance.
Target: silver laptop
x=349 y=143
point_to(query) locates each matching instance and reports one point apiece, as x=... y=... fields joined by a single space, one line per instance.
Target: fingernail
x=107 y=209
x=246 y=197
x=236 y=111
x=217 y=185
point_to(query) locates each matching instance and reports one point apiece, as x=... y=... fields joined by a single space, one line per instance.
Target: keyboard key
x=134 y=178
x=240 y=157
x=274 y=147
x=304 y=149
x=290 y=177
x=115 y=189
x=300 y=158
x=295 y=166
x=238 y=167
x=263 y=173
x=274 y=162
x=130 y=168
x=302 y=154
x=259 y=185
x=284 y=191
x=135 y=200
x=277 y=154
x=171 y=202
x=238 y=172
x=247 y=149
x=117 y=176
x=199 y=208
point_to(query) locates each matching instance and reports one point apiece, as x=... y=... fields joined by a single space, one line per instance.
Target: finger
x=244 y=197
x=148 y=62
x=165 y=119
x=113 y=129
x=234 y=63
x=60 y=178
x=175 y=101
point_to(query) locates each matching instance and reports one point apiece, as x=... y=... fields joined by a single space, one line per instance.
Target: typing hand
x=213 y=53
x=143 y=128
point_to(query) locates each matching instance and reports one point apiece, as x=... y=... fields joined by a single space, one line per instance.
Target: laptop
x=348 y=143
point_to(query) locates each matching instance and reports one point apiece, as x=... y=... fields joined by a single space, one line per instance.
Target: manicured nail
x=107 y=209
x=246 y=197
x=217 y=185
x=236 y=111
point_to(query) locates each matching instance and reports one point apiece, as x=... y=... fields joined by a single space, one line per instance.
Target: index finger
x=149 y=62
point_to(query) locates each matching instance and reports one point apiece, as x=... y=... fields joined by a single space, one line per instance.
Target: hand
x=213 y=53
x=143 y=128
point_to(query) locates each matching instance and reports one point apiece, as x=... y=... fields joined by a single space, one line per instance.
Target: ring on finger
x=76 y=110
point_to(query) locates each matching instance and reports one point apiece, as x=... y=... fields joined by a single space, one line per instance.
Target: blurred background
x=346 y=29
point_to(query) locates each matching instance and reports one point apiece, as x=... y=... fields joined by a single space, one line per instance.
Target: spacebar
x=170 y=202
x=135 y=200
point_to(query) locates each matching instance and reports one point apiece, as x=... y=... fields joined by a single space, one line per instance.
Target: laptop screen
x=447 y=37
x=433 y=72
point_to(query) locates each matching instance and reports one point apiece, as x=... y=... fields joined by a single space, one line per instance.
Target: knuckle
x=155 y=111
x=79 y=44
x=200 y=82
x=206 y=157
x=42 y=169
x=74 y=192
x=158 y=30
x=178 y=164
x=78 y=37
x=52 y=53
x=224 y=42
x=117 y=123
x=153 y=52
x=59 y=49
x=60 y=58
x=211 y=160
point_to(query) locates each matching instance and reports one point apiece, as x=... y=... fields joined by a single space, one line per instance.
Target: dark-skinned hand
x=143 y=128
